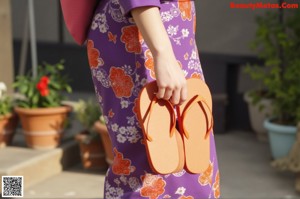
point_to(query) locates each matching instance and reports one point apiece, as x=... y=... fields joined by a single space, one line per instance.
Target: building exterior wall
x=223 y=30
x=220 y=29
x=6 y=48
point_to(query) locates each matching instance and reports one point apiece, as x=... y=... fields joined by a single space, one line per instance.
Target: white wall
x=219 y=28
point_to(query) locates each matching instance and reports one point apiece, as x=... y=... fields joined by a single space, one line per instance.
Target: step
x=38 y=165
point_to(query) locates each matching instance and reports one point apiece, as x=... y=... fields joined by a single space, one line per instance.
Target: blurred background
x=224 y=36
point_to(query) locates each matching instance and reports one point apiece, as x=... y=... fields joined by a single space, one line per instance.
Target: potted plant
x=102 y=130
x=278 y=44
x=8 y=119
x=91 y=148
x=43 y=116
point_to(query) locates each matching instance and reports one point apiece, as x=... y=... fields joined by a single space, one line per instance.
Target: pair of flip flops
x=169 y=149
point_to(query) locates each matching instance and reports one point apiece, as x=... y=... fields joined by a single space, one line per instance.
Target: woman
x=130 y=43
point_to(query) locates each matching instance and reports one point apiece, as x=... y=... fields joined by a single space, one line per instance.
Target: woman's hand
x=170 y=78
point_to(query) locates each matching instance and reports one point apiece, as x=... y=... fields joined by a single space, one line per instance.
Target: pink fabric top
x=78 y=16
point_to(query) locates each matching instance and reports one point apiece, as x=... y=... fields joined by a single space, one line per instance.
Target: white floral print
x=129 y=133
x=172 y=30
x=180 y=190
x=113 y=192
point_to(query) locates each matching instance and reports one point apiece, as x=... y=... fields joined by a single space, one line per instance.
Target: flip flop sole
x=165 y=153
x=195 y=123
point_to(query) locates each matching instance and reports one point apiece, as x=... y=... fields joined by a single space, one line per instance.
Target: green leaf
x=35 y=99
x=68 y=89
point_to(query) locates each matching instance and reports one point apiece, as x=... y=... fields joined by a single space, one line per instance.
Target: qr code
x=12 y=186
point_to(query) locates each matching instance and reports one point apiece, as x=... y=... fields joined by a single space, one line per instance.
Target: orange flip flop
x=195 y=123
x=163 y=142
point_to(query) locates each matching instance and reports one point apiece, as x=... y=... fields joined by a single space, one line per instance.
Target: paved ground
x=245 y=170
x=73 y=183
x=244 y=166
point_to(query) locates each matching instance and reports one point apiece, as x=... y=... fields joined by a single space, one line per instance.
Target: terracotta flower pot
x=102 y=130
x=43 y=127
x=8 y=125
x=92 y=153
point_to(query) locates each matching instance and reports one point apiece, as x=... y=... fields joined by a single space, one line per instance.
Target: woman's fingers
x=161 y=92
x=176 y=96
x=180 y=94
x=183 y=94
x=168 y=93
x=164 y=93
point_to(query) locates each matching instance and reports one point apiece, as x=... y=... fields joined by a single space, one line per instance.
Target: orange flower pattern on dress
x=132 y=39
x=196 y=75
x=186 y=56
x=216 y=185
x=121 y=83
x=185 y=8
x=186 y=197
x=135 y=107
x=206 y=177
x=93 y=55
x=112 y=37
x=121 y=165
x=111 y=113
x=153 y=186
x=149 y=63
x=138 y=64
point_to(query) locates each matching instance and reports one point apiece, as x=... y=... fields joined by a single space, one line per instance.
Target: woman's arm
x=170 y=78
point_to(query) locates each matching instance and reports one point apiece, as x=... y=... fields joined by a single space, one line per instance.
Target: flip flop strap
x=173 y=118
x=200 y=100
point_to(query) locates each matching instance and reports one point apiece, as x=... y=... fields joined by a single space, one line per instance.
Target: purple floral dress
x=121 y=64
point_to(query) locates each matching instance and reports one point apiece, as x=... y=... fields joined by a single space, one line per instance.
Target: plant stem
x=281 y=56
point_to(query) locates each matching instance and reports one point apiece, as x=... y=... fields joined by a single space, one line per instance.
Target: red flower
x=45 y=80
x=44 y=92
x=42 y=86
